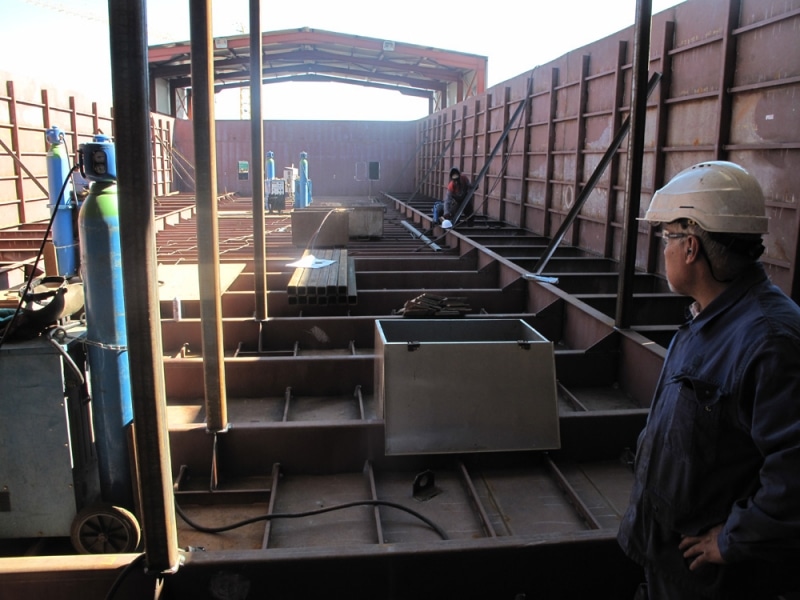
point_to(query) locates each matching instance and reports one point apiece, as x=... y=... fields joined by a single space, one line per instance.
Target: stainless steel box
x=358 y=221
x=366 y=221
x=465 y=385
x=319 y=228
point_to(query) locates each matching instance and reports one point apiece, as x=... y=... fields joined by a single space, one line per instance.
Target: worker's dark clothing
x=722 y=445
x=456 y=192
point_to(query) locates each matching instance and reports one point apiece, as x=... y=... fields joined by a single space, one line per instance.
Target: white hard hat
x=447 y=224
x=719 y=196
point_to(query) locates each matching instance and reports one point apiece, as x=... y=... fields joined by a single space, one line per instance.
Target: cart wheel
x=105 y=529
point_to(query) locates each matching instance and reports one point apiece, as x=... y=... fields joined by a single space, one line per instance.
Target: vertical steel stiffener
x=101 y=269
x=58 y=178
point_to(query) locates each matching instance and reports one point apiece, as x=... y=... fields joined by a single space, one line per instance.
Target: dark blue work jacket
x=722 y=445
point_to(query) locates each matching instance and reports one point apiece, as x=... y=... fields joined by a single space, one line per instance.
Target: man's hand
x=704 y=547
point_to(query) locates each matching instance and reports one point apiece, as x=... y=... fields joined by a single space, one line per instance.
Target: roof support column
x=205 y=160
x=128 y=36
x=641 y=60
x=257 y=160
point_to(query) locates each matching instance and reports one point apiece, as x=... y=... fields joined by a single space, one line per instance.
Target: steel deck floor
x=304 y=434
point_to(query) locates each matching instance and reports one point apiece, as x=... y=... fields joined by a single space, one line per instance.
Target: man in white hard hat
x=715 y=505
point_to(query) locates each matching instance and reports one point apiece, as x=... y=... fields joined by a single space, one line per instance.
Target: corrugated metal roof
x=307 y=54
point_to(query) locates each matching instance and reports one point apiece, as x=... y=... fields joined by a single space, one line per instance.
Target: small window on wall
x=244 y=170
x=374 y=173
x=368 y=171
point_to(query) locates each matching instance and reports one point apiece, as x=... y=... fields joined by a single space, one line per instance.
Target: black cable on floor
x=309 y=513
x=112 y=591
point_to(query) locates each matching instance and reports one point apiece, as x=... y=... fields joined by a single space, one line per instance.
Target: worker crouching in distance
x=715 y=505
x=458 y=186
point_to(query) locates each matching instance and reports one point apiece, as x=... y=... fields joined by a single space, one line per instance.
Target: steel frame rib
x=572 y=495
x=478 y=505
x=376 y=511
x=287 y=400
x=276 y=476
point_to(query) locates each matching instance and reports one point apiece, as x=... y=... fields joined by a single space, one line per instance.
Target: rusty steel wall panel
x=334 y=148
x=730 y=82
x=778 y=54
x=738 y=104
x=766 y=117
x=25 y=114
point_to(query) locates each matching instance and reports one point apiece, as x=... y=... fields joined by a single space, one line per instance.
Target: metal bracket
x=425 y=486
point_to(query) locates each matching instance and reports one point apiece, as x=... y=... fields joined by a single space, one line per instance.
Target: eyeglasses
x=666 y=236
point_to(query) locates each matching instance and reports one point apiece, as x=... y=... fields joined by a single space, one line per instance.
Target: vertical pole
x=257 y=160
x=473 y=153
x=128 y=36
x=456 y=152
x=486 y=160
x=547 y=202
x=45 y=110
x=525 y=173
x=580 y=141
x=616 y=121
x=19 y=173
x=633 y=183
x=504 y=156
x=726 y=77
x=205 y=161
x=661 y=138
